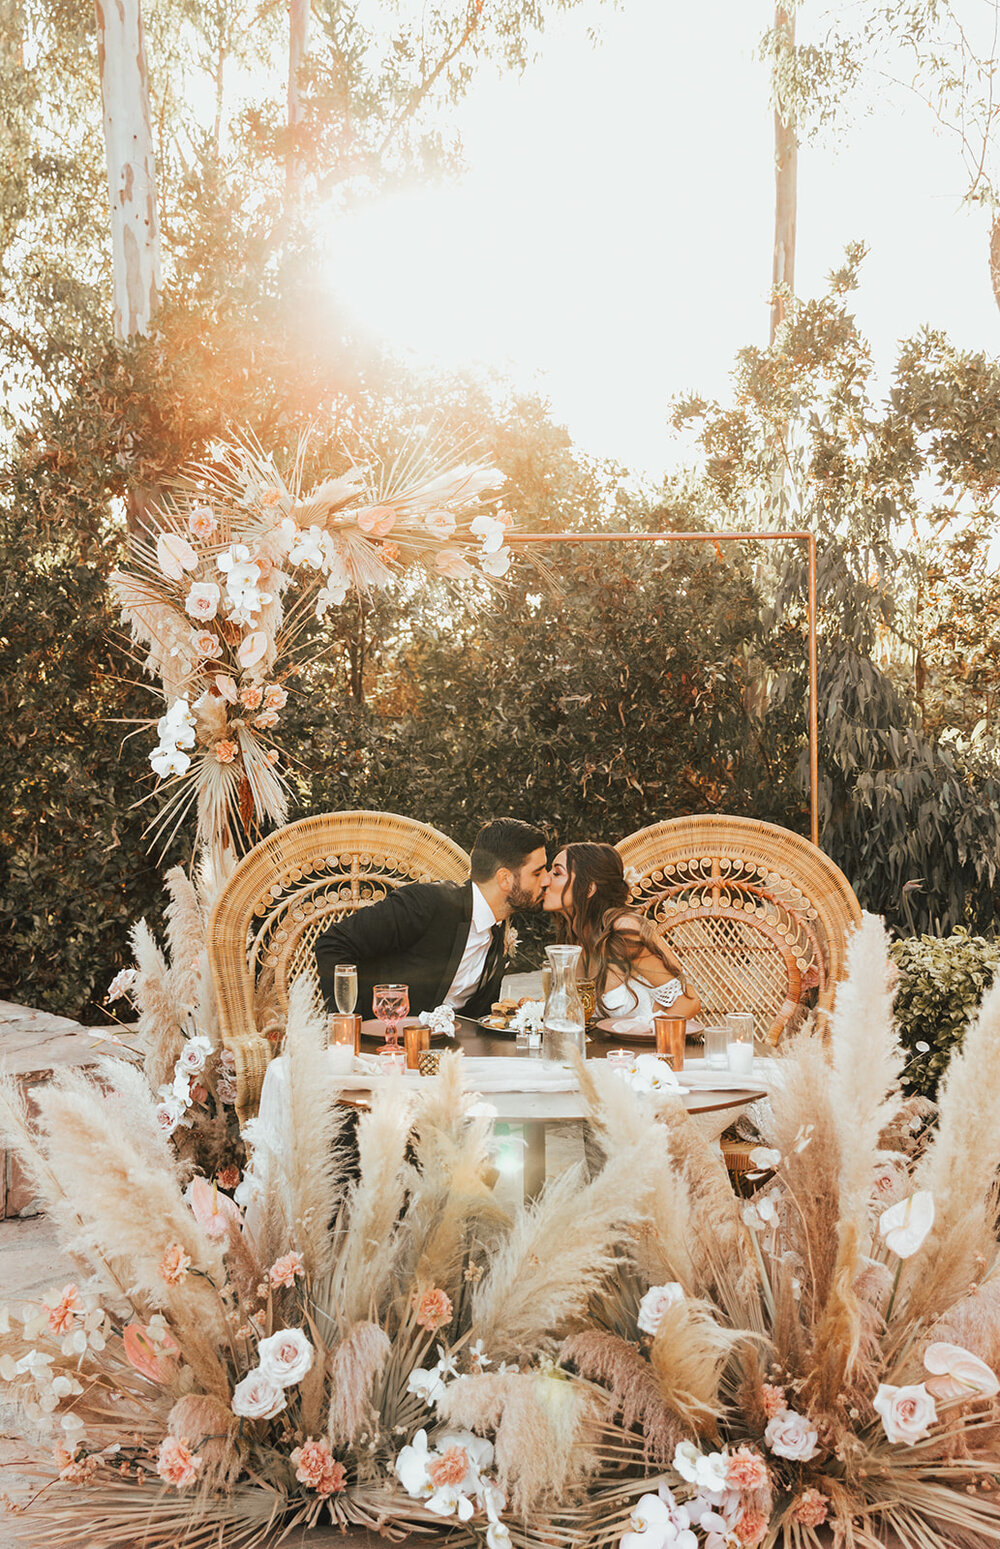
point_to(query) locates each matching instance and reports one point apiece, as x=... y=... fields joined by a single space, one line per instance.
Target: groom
x=443 y=939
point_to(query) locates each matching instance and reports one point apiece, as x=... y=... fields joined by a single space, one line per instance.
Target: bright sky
x=611 y=240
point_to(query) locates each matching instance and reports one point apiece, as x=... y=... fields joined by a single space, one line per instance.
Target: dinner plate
x=497 y=1032
x=374 y=1027
x=639 y=1029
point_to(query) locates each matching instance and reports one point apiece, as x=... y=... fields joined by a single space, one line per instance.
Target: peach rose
x=284 y=1270
x=225 y=751
x=434 y=1310
x=202 y=601
x=176 y=1463
x=201 y=522
x=207 y=645
x=174 y=1264
x=267 y=720
x=317 y=1468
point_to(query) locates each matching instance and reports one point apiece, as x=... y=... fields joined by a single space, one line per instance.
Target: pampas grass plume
x=185 y=935
x=311 y=1176
x=356 y=1367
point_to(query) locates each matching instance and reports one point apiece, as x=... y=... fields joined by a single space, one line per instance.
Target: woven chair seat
x=758 y=916
x=282 y=894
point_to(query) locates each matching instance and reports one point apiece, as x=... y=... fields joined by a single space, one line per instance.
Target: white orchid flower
x=903 y=1227
x=496 y=564
x=308 y=548
x=169 y=761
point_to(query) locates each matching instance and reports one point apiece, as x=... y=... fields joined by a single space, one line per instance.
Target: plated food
x=503 y=1012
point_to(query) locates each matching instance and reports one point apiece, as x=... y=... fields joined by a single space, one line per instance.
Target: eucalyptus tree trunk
x=298 y=42
x=786 y=151
x=128 y=137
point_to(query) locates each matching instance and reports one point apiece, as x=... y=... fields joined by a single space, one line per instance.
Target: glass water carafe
x=564 y=1021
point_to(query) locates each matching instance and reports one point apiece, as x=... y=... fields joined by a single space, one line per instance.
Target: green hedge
x=941 y=982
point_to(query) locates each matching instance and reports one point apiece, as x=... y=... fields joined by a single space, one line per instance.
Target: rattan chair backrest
x=292 y=884
x=758 y=916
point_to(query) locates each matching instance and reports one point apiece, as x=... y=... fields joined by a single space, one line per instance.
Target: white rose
x=255 y=1398
x=194 y=1054
x=686 y=1460
x=789 y=1435
x=202 y=601
x=655 y=1303
x=285 y=1357
x=907 y=1414
x=169 y=1115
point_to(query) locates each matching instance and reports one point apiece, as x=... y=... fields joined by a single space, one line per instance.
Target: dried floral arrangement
x=237 y=559
x=637 y=1359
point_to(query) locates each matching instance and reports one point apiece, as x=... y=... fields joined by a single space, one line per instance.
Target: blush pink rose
x=207 y=645
x=907 y=1413
x=285 y=1357
x=789 y=1435
x=202 y=601
x=201 y=522
x=257 y=1398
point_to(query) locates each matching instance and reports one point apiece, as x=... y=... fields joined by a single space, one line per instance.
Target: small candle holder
x=620 y=1059
x=344 y=1031
x=671 y=1035
x=739 y=1042
x=416 y=1039
x=588 y=996
x=391 y=1061
x=429 y=1062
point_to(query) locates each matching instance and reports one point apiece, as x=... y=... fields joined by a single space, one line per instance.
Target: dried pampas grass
x=366 y=1244
x=357 y=1365
x=543 y=1426
x=311 y=1178
x=634 y=1387
x=161 y=1018
x=689 y=1353
x=185 y=935
x=959 y=1168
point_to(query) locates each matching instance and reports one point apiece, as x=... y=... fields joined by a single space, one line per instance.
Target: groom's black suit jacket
x=415 y=935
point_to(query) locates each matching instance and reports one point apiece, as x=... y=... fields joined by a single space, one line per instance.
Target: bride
x=634 y=972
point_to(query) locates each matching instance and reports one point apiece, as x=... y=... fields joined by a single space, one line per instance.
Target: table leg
x=534 y=1159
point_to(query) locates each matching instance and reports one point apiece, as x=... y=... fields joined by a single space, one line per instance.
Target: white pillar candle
x=741 y=1058
x=341 y=1059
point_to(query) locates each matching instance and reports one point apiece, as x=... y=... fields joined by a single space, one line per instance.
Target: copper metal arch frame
x=519 y=540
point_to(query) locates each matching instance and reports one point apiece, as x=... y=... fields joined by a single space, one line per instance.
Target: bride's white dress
x=635 y=998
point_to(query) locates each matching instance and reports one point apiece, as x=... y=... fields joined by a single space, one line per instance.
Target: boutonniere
x=511 y=941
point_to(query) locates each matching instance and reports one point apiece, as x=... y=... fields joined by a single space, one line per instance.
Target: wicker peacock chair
x=758 y=916
x=279 y=898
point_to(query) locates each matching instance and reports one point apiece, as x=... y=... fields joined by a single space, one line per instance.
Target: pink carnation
x=751 y=1527
x=266 y=720
x=62 y=1314
x=251 y=695
x=275 y=697
x=811 y=1508
x=773 y=1399
x=316 y=1467
x=225 y=751
x=450 y=1468
x=174 y=1264
x=747 y=1470
x=201 y=522
x=176 y=1463
x=284 y=1270
x=434 y=1310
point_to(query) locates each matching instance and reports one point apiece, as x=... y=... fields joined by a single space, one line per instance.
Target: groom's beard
x=520 y=898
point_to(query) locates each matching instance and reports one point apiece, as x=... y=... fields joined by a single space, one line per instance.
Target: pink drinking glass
x=390 y=1003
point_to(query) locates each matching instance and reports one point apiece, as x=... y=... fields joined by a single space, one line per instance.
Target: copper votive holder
x=416 y=1039
x=344 y=1030
x=429 y=1062
x=671 y=1035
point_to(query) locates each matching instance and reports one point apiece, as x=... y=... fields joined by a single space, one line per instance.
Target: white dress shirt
x=470 y=969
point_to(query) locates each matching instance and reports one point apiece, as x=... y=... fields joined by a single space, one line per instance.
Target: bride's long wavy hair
x=598 y=919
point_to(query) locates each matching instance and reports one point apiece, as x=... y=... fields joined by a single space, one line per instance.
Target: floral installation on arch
x=638 y=1360
x=237 y=559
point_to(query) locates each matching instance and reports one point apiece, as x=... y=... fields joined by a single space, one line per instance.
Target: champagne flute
x=345 y=987
x=390 y=1003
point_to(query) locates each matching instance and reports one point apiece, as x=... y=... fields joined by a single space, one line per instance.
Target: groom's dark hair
x=504 y=842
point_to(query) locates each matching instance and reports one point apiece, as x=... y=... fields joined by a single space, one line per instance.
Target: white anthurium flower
x=174 y=555
x=903 y=1227
x=253 y=649
x=958 y=1374
x=655 y=1303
